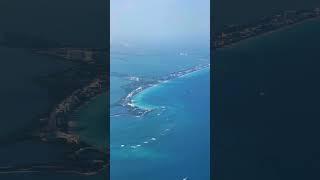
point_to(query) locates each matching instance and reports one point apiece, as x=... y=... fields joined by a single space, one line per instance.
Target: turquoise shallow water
x=91 y=124
x=166 y=143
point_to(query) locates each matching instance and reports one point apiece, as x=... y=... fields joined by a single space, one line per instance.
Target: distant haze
x=159 y=21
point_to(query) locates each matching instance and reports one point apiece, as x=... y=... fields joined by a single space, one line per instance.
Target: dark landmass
x=236 y=33
x=68 y=90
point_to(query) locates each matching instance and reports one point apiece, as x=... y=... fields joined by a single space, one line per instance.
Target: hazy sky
x=159 y=20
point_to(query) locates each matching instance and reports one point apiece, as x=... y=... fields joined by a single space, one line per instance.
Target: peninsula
x=68 y=91
x=232 y=34
x=140 y=85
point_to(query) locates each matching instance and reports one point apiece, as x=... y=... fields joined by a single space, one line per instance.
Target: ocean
x=265 y=108
x=21 y=91
x=92 y=127
x=251 y=141
x=23 y=99
x=165 y=143
x=19 y=72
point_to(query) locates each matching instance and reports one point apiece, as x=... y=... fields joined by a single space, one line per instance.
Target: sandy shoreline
x=128 y=101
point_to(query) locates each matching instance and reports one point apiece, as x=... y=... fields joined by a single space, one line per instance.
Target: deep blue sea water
x=266 y=106
x=171 y=142
x=149 y=62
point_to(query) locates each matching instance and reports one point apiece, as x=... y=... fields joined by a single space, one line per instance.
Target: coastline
x=159 y=135
x=236 y=33
x=56 y=124
x=85 y=118
x=72 y=139
x=267 y=33
x=128 y=101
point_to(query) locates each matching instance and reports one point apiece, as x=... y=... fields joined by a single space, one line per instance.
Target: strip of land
x=235 y=33
x=140 y=85
x=68 y=90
